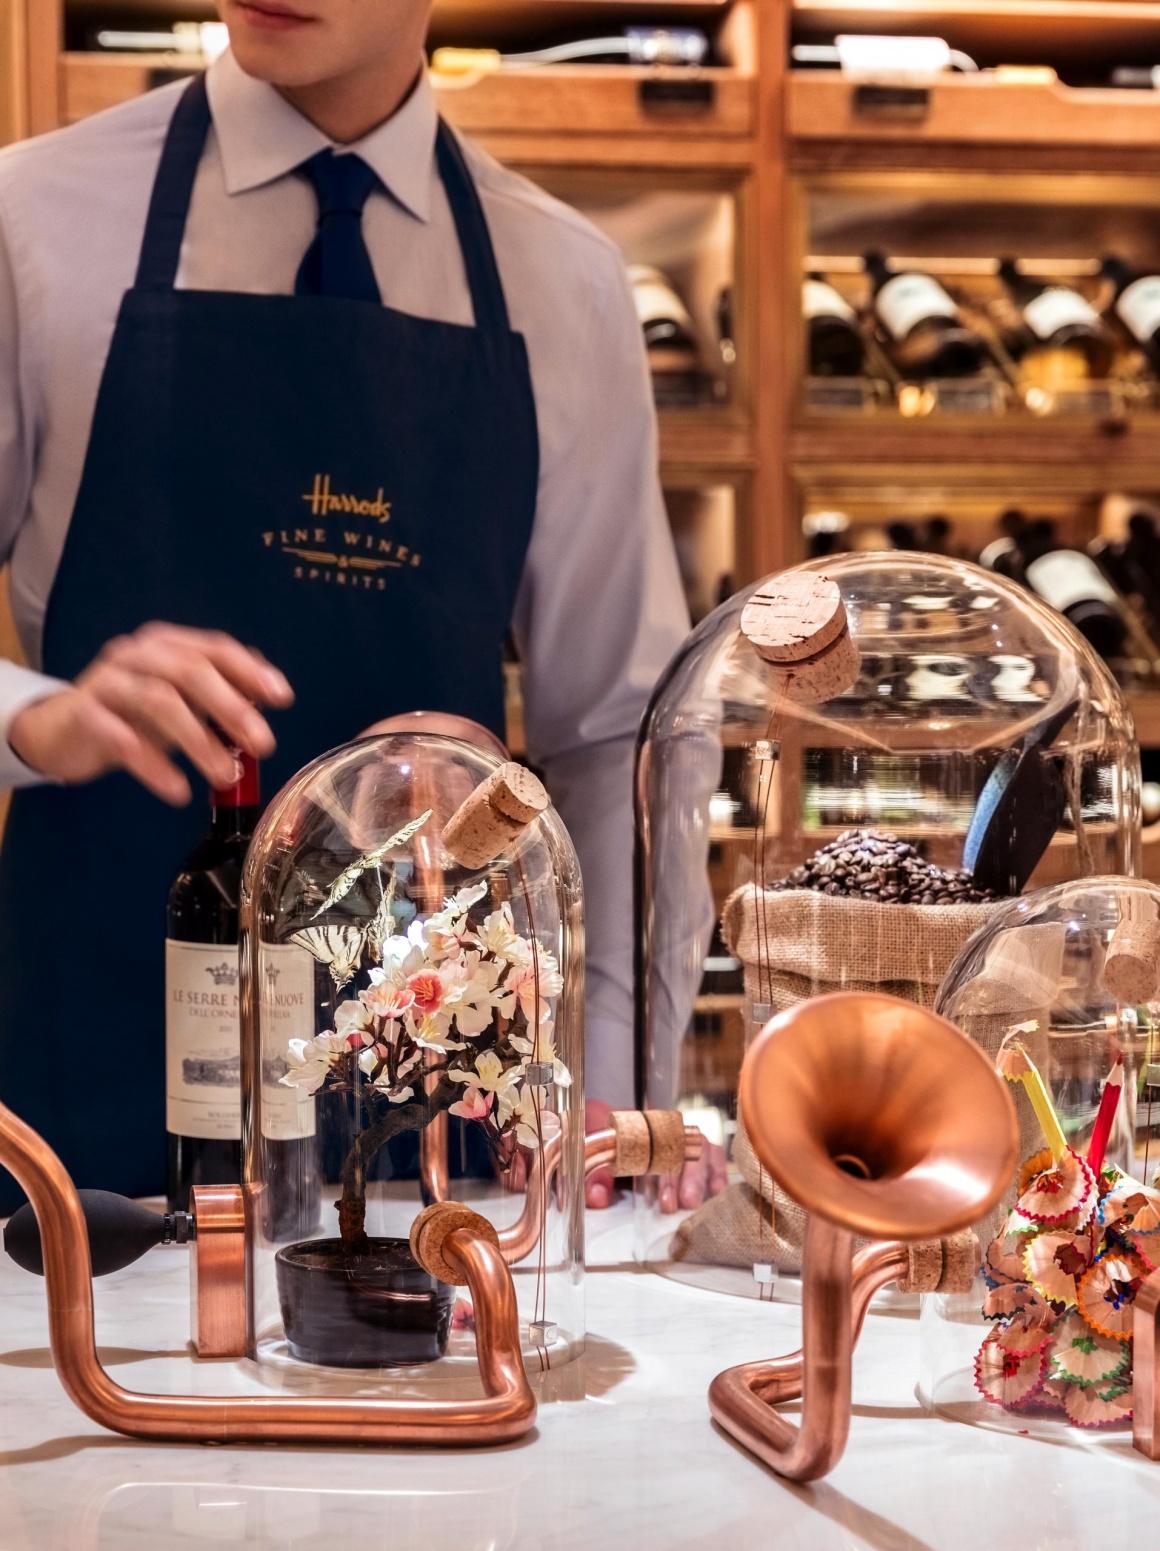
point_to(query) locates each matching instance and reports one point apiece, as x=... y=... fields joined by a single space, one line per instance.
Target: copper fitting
x=880 y=1119
x=217 y=1271
x=507 y=1410
x=1145 y=1355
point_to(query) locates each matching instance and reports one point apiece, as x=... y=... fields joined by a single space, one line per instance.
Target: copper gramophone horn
x=883 y=1121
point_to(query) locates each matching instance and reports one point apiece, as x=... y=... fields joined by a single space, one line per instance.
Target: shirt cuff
x=20 y=687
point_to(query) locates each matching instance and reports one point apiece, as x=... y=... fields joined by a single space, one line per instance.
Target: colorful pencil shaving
x=1016 y=1065
x=1109 y=1103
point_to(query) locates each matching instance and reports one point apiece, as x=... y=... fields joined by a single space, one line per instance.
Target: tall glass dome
x=842 y=774
x=412 y=989
x=1062 y=989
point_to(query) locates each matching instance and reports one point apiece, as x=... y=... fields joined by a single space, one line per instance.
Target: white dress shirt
x=600 y=608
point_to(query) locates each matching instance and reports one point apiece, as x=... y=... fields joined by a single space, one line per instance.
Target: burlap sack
x=794 y=944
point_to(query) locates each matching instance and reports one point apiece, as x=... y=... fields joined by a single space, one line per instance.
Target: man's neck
x=348 y=108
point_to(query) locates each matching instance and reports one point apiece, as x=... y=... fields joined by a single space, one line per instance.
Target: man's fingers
x=125 y=748
x=189 y=674
x=246 y=668
x=667 y=1192
x=691 y=1184
x=598 y=1188
x=158 y=710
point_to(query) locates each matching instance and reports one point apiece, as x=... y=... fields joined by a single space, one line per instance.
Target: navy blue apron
x=349 y=489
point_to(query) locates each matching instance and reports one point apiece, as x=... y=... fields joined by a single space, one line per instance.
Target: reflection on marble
x=623 y=1454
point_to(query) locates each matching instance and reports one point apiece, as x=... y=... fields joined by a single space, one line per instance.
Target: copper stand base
x=507 y=1410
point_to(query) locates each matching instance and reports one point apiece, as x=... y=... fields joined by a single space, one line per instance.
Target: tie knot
x=342 y=182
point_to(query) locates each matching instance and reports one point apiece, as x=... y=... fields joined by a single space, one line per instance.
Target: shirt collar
x=262 y=138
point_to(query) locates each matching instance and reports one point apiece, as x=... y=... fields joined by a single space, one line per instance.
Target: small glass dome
x=412 y=983
x=842 y=773
x=1062 y=989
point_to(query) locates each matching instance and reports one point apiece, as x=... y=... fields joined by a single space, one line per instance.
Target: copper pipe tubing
x=600 y=1148
x=507 y=1411
x=803 y=1453
x=433 y=1167
x=875 y=1267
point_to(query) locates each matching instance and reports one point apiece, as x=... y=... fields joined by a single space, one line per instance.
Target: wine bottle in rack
x=925 y=333
x=1056 y=318
x=836 y=347
x=202 y=1039
x=1135 y=303
x=1073 y=583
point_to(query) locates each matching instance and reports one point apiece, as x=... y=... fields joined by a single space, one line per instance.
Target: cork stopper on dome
x=796 y=622
x=794 y=616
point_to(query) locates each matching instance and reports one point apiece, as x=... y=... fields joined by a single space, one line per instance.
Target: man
x=283 y=361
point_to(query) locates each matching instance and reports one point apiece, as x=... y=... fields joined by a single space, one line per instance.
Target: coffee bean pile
x=866 y=864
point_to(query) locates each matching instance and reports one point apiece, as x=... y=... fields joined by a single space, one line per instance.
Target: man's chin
x=278 y=61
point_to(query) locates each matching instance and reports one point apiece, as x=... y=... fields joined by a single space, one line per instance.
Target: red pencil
x=1109 y=1102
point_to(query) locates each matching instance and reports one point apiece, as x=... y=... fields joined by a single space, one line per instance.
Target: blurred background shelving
x=732 y=180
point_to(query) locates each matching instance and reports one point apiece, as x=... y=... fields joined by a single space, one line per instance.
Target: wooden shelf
x=977 y=451
x=701 y=439
x=823 y=106
x=1145 y=708
x=1093 y=34
x=573 y=102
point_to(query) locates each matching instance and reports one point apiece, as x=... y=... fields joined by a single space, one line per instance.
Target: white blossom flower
x=310 y=1060
x=473 y=995
x=497 y=935
x=354 y=1021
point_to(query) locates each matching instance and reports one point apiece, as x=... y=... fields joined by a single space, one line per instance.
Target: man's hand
x=704 y=1177
x=147 y=695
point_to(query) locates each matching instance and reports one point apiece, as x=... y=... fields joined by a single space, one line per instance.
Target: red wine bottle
x=202 y=1040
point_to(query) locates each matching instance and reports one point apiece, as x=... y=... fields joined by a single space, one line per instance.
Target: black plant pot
x=378 y=1309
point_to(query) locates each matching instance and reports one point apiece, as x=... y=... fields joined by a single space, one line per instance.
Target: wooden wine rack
x=779 y=146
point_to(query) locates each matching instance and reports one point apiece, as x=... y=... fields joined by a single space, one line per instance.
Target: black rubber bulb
x=120 y=1231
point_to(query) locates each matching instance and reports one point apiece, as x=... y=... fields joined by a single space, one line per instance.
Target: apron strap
x=172 y=187
x=487 y=298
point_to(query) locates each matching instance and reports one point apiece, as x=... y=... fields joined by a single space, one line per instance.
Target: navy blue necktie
x=337 y=262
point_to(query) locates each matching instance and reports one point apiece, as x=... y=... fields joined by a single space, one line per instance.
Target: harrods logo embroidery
x=335 y=548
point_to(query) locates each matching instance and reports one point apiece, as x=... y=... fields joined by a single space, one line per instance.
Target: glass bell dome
x=843 y=773
x=1062 y=990
x=412 y=984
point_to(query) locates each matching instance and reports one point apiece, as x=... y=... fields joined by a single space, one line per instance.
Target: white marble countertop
x=635 y=1463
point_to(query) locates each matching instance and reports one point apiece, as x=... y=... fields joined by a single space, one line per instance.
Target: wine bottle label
x=820 y=300
x=1139 y=307
x=907 y=300
x=1066 y=577
x=287 y=996
x=203 y=1094
x=1057 y=308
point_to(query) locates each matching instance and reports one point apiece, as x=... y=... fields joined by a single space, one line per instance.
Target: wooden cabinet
x=801 y=168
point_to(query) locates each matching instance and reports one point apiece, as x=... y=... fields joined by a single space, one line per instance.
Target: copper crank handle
x=451 y=1243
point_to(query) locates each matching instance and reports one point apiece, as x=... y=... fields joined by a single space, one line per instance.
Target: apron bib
x=349 y=489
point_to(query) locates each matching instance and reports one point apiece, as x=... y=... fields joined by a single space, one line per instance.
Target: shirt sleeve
x=600 y=612
x=19 y=686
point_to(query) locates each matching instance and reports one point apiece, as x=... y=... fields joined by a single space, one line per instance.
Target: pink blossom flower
x=474 y=1105
x=427 y=991
x=387 y=1000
